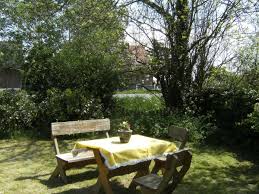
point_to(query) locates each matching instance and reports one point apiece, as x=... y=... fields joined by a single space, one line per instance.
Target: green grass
x=25 y=166
x=139 y=91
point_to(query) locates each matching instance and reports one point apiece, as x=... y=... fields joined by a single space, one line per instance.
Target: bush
x=253 y=118
x=17 y=112
x=228 y=108
x=67 y=105
x=97 y=77
x=20 y=112
x=147 y=117
x=70 y=105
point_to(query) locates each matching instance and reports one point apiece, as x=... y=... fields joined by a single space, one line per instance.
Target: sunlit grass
x=138 y=91
x=25 y=166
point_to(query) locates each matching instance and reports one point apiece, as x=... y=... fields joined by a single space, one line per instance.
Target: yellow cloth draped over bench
x=139 y=148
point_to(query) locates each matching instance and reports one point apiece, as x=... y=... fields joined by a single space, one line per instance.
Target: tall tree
x=183 y=37
x=68 y=43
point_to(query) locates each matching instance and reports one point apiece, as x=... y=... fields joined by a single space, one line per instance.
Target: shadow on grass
x=213 y=171
x=18 y=152
x=117 y=187
x=216 y=171
x=89 y=174
x=72 y=179
x=33 y=149
x=225 y=180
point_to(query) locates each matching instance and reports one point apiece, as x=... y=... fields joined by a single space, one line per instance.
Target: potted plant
x=124 y=132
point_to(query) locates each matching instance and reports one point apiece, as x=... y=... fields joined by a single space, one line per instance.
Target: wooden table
x=141 y=165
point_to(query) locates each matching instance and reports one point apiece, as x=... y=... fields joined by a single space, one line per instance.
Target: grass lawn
x=25 y=166
x=138 y=91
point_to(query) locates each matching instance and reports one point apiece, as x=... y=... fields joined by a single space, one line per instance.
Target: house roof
x=139 y=53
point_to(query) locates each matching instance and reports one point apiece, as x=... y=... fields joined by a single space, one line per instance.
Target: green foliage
x=221 y=78
x=11 y=54
x=254 y=118
x=33 y=21
x=228 y=108
x=21 y=112
x=88 y=60
x=69 y=105
x=147 y=116
x=68 y=44
x=17 y=112
x=248 y=63
x=66 y=105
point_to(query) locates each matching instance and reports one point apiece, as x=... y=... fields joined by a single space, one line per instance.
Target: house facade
x=139 y=59
x=10 y=79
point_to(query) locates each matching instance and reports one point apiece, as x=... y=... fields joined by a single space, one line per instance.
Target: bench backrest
x=75 y=127
x=179 y=134
x=83 y=126
x=173 y=175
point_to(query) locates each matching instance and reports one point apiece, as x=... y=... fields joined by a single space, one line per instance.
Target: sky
x=237 y=36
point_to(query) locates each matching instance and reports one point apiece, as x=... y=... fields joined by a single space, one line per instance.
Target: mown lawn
x=25 y=166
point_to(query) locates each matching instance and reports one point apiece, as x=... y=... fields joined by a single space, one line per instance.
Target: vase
x=124 y=135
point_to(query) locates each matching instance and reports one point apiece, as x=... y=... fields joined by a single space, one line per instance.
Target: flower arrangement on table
x=124 y=132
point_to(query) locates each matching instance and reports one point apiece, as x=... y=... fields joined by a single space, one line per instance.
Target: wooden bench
x=177 y=134
x=82 y=157
x=177 y=166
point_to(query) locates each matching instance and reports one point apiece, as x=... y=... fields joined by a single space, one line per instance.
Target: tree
x=183 y=38
x=68 y=44
x=248 y=65
x=11 y=55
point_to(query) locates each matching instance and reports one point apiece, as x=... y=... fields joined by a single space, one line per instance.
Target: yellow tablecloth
x=139 y=148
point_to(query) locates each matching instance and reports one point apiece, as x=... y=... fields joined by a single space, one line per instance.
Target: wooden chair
x=177 y=134
x=176 y=167
x=84 y=157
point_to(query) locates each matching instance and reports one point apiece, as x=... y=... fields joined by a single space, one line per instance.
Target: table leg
x=103 y=178
x=97 y=186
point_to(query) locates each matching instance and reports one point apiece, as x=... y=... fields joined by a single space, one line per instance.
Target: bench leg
x=55 y=173
x=59 y=170
x=62 y=171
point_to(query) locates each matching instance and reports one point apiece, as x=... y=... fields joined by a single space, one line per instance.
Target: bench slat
x=68 y=157
x=151 y=181
x=74 y=127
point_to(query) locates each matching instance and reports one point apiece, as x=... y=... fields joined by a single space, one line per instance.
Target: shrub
x=20 y=112
x=17 y=112
x=253 y=118
x=228 y=108
x=67 y=105
x=147 y=116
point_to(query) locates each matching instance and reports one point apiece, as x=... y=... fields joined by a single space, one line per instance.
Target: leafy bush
x=70 y=105
x=67 y=105
x=96 y=76
x=17 y=112
x=253 y=118
x=147 y=116
x=21 y=112
x=228 y=108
